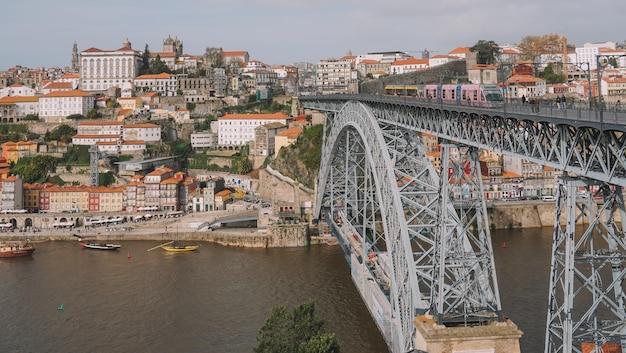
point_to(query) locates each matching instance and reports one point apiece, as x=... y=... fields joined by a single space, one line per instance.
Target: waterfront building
x=57 y=106
x=238 y=129
x=31 y=195
x=222 y=199
x=162 y=189
x=71 y=198
x=101 y=70
x=12 y=193
x=135 y=194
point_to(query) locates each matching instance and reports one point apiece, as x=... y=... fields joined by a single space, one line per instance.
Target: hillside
x=301 y=161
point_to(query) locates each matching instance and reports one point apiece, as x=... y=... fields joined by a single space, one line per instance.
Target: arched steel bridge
x=418 y=240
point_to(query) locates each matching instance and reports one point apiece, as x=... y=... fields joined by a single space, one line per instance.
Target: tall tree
x=297 y=332
x=488 y=52
x=145 y=65
x=532 y=47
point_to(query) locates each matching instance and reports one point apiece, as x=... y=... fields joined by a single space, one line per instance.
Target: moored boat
x=174 y=246
x=16 y=249
x=98 y=246
x=178 y=247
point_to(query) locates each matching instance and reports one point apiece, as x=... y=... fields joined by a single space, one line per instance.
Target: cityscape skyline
x=284 y=32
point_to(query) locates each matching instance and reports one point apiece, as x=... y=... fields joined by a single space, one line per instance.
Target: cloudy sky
x=42 y=32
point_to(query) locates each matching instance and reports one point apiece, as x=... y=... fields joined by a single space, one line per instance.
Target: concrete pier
x=500 y=337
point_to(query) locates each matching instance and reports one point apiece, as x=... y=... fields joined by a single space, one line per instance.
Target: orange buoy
x=129 y=254
x=504 y=245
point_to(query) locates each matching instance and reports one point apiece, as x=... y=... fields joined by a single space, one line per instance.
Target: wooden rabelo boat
x=16 y=249
x=175 y=246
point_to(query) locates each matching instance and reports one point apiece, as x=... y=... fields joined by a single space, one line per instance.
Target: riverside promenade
x=184 y=228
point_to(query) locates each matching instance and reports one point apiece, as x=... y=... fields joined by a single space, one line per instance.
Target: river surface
x=216 y=299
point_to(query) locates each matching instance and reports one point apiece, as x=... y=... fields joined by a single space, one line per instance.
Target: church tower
x=75 y=63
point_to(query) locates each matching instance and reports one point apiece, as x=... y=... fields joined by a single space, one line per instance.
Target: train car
x=485 y=96
x=402 y=90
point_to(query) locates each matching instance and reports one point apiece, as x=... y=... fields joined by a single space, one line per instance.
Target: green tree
x=145 y=65
x=158 y=66
x=550 y=76
x=488 y=52
x=94 y=114
x=244 y=166
x=299 y=331
x=61 y=133
x=34 y=169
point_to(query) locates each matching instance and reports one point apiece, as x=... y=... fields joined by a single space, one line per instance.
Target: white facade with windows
x=144 y=132
x=238 y=129
x=204 y=139
x=333 y=76
x=164 y=83
x=54 y=107
x=104 y=69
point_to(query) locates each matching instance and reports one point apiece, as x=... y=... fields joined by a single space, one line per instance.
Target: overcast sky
x=41 y=32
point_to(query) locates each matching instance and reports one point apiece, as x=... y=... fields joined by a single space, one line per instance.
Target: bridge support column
x=586 y=307
x=498 y=337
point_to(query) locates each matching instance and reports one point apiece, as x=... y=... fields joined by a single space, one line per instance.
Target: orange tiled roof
x=70 y=93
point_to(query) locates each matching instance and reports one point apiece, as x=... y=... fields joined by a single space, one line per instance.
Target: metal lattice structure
x=400 y=231
x=414 y=248
x=587 y=267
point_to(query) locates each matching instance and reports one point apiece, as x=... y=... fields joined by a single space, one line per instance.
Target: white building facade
x=238 y=129
x=54 y=107
x=104 y=69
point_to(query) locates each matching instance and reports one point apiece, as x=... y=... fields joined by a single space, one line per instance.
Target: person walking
x=563 y=102
x=523 y=99
x=558 y=102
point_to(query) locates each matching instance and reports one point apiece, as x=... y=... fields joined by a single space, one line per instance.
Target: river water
x=215 y=299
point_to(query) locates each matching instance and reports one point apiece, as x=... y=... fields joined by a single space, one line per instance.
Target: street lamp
x=504 y=68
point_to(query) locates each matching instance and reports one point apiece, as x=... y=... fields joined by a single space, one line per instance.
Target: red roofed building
x=58 y=105
x=239 y=129
x=286 y=137
x=229 y=57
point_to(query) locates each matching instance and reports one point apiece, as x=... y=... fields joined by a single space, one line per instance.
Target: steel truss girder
x=568 y=145
x=587 y=301
x=466 y=289
x=377 y=176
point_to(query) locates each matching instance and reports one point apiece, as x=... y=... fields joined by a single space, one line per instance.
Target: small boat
x=178 y=247
x=174 y=246
x=98 y=246
x=16 y=249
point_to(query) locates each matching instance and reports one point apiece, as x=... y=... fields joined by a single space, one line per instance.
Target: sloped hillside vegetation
x=301 y=160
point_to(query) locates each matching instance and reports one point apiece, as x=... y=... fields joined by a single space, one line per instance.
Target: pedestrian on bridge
x=558 y=102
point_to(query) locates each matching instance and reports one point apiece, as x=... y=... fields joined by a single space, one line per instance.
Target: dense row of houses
x=161 y=190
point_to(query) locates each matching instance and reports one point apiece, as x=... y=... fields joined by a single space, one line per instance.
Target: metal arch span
x=410 y=251
x=355 y=139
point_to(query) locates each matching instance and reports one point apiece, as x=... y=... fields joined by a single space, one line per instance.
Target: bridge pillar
x=498 y=337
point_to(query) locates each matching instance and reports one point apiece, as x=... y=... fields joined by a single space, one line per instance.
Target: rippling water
x=216 y=299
